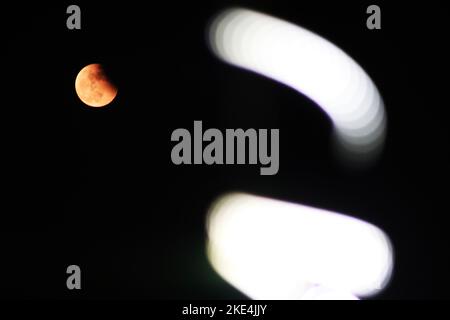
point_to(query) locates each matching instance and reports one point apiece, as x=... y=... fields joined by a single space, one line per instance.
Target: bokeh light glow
x=311 y=65
x=270 y=249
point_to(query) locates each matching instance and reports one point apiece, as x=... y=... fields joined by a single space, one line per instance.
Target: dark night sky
x=97 y=188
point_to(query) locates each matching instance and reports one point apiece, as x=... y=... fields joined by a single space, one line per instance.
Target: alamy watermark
x=74 y=279
x=374 y=20
x=74 y=20
x=228 y=148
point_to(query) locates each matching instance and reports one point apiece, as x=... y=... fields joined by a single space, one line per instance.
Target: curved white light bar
x=271 y=249
x=311 y=65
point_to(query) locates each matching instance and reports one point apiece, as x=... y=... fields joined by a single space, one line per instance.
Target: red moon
x=93 y=86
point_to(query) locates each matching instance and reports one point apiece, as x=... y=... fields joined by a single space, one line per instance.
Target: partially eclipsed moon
x=93 y=86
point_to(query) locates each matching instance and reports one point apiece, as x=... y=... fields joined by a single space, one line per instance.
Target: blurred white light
x=311 y=65
x=271 y=249
x=323 y=293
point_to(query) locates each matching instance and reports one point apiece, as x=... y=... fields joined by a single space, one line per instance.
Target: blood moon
x=93 y=86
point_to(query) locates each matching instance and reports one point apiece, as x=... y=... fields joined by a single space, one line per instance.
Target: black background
x=97 y=188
